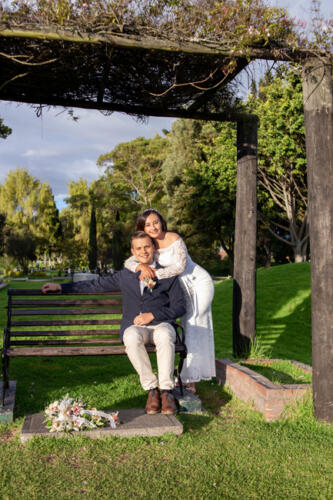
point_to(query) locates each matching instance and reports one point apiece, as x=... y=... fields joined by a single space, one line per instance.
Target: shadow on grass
x=276 y=376
x=213 y=397
x=194 y=421
x=283 y=313
x=101 y=382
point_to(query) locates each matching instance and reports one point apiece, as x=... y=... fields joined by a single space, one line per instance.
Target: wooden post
x=318 y=111
x=244 y=291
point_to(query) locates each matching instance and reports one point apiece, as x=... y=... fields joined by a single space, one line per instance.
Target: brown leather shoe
x=169 y=406
x=153 y=402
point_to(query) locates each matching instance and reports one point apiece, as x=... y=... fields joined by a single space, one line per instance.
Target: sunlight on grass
x=297 y=302
x=283 y=313
x=227 y=452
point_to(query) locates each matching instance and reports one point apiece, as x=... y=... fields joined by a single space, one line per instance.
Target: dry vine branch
x=25 y=63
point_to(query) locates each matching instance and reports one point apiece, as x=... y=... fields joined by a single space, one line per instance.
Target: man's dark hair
x=140 y=234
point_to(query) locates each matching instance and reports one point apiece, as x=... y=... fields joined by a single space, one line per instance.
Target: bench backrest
x=68 y=324
x=80 y=320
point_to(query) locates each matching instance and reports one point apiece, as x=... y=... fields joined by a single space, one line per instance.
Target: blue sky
x=56 y=149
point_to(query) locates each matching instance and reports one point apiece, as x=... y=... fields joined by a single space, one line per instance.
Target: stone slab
x=188 y=402
x=134 y=422
x=7 y=411
x=270 y=399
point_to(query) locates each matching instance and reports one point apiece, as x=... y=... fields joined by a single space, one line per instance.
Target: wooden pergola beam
x=128 y=41
x=223 y=116
x=244 y=286
x=318 y=113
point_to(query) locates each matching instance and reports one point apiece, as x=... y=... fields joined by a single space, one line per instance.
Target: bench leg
x=179 y=369
x=5 y=374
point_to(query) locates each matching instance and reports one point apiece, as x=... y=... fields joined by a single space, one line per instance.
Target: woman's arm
x=132 y=264
x=179 y=261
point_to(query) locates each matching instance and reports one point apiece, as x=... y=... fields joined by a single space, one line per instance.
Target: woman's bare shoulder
x=172 y=237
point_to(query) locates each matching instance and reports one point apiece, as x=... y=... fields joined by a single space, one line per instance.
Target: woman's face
x=153 y=226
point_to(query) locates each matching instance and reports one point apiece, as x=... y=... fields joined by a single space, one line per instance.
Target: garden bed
x=249 y=385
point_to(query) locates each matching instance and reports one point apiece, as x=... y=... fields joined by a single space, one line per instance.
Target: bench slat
x=34 y=291
x=60 y=303
x=56 y=312
x=77 y=351
x=66 y=322
x=67 y=351
x=65 y=341
x=62 y=333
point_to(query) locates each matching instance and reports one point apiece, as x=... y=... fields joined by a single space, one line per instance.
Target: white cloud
x=56 y=149
x=40 y=153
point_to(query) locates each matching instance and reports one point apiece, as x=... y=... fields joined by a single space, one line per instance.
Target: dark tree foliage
x=22 y=248
x=92 y=255
x=4 y=130
x=2 y=233
x=118 y=244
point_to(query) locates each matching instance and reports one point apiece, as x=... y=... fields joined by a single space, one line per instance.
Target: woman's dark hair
x=141 y=220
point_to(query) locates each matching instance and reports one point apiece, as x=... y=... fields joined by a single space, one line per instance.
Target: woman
x=172 y=255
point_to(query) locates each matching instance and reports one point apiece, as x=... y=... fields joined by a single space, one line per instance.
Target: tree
x=21 y=247
x=282 y=158
x=92 y=255
x=200 y=171
x=4 y=130
x=135 y=169
x=2 y=233
x=29 y=207
x=75 y=221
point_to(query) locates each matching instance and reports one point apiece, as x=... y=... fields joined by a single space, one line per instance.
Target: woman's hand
x=145 y=272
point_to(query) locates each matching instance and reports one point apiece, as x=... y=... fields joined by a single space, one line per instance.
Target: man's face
x=143 y=250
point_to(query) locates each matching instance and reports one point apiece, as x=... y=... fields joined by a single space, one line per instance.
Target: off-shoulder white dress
x=199 y=292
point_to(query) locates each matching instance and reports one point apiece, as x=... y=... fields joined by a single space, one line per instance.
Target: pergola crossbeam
x=145 y=42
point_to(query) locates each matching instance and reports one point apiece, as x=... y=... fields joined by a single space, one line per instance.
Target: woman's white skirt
x=198 y=323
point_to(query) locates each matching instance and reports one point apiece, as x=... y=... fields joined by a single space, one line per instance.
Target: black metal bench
x=80 y=325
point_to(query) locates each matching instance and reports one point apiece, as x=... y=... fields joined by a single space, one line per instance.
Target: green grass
x=280 y=372
x=229 y=452
x=283 y=313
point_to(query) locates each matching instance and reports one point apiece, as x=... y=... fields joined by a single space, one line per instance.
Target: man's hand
x=143 y=319
x=146 y=271
x=51 y=287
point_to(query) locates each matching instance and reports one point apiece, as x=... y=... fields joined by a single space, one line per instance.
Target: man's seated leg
x=135 y=338
x=164 y=338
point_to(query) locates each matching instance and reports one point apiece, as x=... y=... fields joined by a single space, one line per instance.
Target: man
x=149 y=308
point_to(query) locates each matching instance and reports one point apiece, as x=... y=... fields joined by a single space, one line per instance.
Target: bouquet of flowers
x=70 y=415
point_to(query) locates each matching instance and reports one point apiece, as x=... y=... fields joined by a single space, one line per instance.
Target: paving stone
x=189 y=402
x=6 y=412
x=134 y=422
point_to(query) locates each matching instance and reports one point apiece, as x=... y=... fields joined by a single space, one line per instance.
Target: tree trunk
x=299 y=251
x=318 y=110
x=244 y=291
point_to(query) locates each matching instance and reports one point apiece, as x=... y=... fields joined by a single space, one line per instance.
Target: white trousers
x=163 y=336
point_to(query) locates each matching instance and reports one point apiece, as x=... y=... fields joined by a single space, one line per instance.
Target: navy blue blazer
x=166 y=301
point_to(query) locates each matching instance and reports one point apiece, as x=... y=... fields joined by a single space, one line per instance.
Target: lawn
x=283 y=313
x=228 y=452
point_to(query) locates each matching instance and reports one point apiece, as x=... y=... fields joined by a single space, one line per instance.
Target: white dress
x=199 y=292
